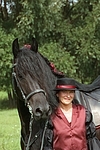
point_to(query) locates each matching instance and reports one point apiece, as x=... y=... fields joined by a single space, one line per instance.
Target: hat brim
x=66 y=89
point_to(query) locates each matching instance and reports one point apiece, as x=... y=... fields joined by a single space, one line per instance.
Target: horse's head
x=28 y=70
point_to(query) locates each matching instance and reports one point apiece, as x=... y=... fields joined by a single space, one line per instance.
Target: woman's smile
x=65 y=96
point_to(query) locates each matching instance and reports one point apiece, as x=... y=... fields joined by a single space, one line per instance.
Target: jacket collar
x=60 y=114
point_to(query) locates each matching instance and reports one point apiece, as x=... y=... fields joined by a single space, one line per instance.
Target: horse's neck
x=24 y=116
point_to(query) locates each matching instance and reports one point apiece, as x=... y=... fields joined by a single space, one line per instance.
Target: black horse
x=33 y=82
x=34 y=79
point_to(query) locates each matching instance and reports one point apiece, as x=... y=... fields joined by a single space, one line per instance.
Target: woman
x=72 y=127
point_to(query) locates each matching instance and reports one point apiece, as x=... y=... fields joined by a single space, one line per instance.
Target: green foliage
x=87 y=50
x=6 y=59
x=39 y=18
x=68 y=34
x=62 y=59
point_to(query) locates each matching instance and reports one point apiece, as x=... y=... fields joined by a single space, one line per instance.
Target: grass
x=9 y=130
x=9 y=125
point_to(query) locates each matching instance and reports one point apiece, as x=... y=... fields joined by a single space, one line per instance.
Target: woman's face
x=65 y=96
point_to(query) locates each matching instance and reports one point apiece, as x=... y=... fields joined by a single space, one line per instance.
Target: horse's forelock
x=35 y=65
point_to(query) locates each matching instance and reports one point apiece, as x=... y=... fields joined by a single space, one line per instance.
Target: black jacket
x=92 y=141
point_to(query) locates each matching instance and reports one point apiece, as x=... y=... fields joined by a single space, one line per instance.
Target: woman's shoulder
x=89 y=116
x=79 y=106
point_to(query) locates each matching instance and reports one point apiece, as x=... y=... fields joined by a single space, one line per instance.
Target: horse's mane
x=55 y=71
x=28 y=59
x=40 y=69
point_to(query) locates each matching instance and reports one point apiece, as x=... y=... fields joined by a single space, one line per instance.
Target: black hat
x=65 y=84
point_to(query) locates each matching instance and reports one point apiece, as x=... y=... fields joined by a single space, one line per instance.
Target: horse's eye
x=20 y=76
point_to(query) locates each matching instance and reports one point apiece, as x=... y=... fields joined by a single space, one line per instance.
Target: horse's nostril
x=43 y=113
x=38 y=111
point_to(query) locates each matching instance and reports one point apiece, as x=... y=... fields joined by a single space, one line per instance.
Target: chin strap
x=30 y=126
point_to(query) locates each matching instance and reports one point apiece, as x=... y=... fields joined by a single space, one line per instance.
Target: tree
x=67 y=35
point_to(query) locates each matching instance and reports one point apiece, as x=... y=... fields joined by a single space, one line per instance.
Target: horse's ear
x=34 y=45
x=15 y=47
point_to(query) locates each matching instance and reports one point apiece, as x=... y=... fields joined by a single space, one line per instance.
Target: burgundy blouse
x=69 y=136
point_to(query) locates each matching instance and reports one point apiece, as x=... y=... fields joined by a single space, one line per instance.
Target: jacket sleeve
x=48 y=143
x=92 y=141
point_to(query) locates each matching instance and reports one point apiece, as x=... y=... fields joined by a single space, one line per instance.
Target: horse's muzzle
x=42 y=113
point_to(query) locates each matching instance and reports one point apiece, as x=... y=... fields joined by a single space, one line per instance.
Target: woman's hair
x=56 y=96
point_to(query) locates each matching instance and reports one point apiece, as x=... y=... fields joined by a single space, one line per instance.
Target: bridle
x=26 y=99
